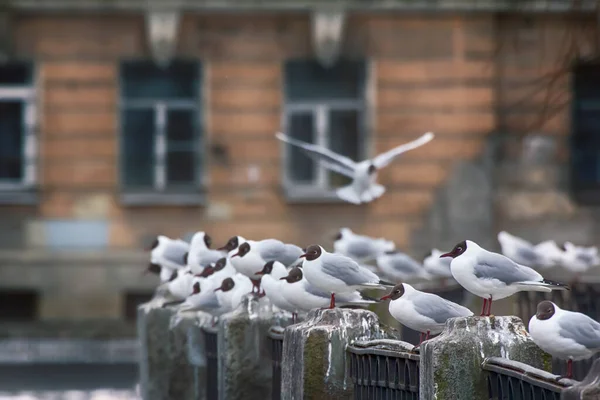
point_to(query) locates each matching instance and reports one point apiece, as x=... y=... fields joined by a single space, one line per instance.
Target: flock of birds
x=297 y=280
x=197 y=277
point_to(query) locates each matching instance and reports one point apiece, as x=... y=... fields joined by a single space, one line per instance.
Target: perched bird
x=272 y=284
x=566 y=335
x=168 y=253
x=551 y=253
x=364 y=187
x=578 y=259
x=360 y=248
x=252 y=256
x=437 y=266
x=232 y=244
x=423 y=312
x=222 y=269
x=401 y=267
x=304 y=296
x=525 y=253
x=181 y=283
x=336 y=274
x=200 y=254
x=493 y=276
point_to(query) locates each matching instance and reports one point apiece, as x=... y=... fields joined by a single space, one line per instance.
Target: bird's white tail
x=375 y=191
x=347 y=193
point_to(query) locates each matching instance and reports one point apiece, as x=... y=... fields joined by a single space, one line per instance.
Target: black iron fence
x=384 y=369
x=212 y=362
x=276 y=338
x=507 y=379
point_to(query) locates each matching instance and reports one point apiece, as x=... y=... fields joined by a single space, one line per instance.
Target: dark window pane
x=301 y=167
x=586 y=167
x=11 y=141
x=15 y=74
x=344 y=138
x=138 y=148
x=145 y=80
x=180 y=125
x=180 y=167
x=308 y=80
x=19 y=305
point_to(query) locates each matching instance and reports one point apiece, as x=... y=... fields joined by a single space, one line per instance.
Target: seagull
x=551 y=252
x=364 y=187
x=525 y=253
x=232 y=244
x=168 y=253
x=304 y=296
x=181 y=283
x=222 y=269
x=360 y=248
x=200 y=254
x=578 y=259
x=423 y=312
x=401 y=267
x=336 y=273
x=566 y=335
x=437 y=266
x=272 y=284
x=493 y=276
x=252 y=256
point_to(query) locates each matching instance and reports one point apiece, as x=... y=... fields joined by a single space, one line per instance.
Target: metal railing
x=276 y=338
x=384 y=369
x=212 y=362
x=507 y=379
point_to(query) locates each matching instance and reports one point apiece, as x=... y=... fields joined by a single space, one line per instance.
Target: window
x=325 y=106
x=19 y=305
x=161 y=132
x=585 y=140
x=18 y=141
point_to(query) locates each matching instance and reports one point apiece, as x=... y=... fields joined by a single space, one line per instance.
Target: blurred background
x=123 y=119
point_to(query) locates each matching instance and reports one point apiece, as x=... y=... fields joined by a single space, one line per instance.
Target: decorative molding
x=162 y=32
x=327 y=31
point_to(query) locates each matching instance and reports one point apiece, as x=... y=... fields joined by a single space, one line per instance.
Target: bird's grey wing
x=328 y=158
x=581 y=329
x=291 y=254
x=360 y=248
x=315 y=291
x=495 y=266
x=210 y=301
x=585 y=257
x=175 y=253
x=211 y=257
x=346 y=270
x=385 y=158
x=404 y=263
x=271 y=249
x=437 y=308
x=528 y=255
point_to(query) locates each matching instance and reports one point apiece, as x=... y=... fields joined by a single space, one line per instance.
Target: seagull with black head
x=336 y=274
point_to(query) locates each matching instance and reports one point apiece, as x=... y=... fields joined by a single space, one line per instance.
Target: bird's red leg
x=570 y=369
x=427 y=336
x=483 y=308
x=489 y=310
x=332 y=302
x=294 y=317
x=420 y=338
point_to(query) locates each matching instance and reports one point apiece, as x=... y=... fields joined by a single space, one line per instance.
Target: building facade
x=118 y=122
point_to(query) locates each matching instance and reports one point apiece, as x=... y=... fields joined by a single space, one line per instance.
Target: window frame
x=160 y=193
x=24 y=192
x=321 y=191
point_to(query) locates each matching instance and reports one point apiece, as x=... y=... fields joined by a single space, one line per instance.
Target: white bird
x=437 y=266
x=181 y=283
x=493 y=276
x=360 y=248
x=423 y=312
x=578 y=259
x=304 y=296
x=566 y=335
x=336 y=273
x=272 y=284
x=168 y=253
x=525 y=253
x=364 y=187
x=551 y=252
x=252 y=256
x=232 y=244
x=401 y=267
x=200 y=254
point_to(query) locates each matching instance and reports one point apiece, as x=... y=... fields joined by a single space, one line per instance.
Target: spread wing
x=384 y=159
x=437 y=308
x=333 y=161
x=346 y=270
x=496 y=266
x=581 y=329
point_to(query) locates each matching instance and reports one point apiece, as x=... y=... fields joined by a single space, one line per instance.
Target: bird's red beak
x=217 y=289
x=303 y=255
x=386 y=297
x=259 y=273
x=222 y=248
x=446 y=255
x=236 y=254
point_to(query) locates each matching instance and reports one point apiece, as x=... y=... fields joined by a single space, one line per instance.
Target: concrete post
x=244 y=356
x=450 y=365
x=314 y=362
x=196 y=353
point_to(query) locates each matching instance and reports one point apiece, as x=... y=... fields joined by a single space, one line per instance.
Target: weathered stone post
x=196 y=353
x=244 y=356
x=314 y=362
x=451 y=363
x=153 y=332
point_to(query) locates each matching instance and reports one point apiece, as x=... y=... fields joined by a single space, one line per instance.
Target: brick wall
x=444 y=73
